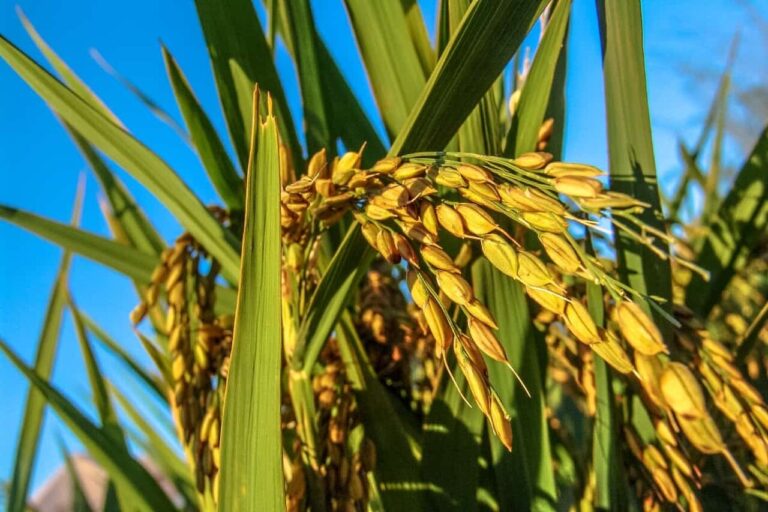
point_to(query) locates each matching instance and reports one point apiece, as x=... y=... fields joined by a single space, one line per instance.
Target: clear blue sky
x=40 y=166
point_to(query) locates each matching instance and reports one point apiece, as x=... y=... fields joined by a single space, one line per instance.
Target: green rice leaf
x=79 y=500
x=486 y=40
x=109 y=421
x=133 y=263
x=154 y=107
x=124 y=259
x=606 y=459
x=479 y=133
x=251 y=456
x=47 y=343
x=331 y=296
x=310 y=72
x=397 y=449
x=113 y=347
x=630 y=147
x=524 y=478
x=138 y=231
x=240 y=57
x=164 y=455
x=132 y=155
x=67 y=75
x=734 y=231
x=133 y=221
x=345 y=117
x=453 y=431
x=144 y=492
x=209 y=147
x=110 y=424
x=690 y=157
x=419 y=35
x=536 y=92
x=391 y=58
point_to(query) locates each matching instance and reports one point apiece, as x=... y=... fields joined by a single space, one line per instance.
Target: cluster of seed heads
x=346 y=454
x=417 y=210
x=403 y=216
x=199 y=345
x=399 y=350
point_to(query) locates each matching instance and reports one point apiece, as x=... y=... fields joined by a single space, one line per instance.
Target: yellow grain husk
x=531 y=271
x=486 y=340
x=561 y=252
x=450 y=220
x=682 y=392
x=580 y=323
x=638 y=329
x=500 y=253
x=455 y=287
x=477 y=221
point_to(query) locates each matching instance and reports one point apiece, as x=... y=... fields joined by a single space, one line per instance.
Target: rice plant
x=459 y=321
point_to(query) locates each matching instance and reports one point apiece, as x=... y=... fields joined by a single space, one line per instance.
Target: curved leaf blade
x=486 y=40
x=132 y=155
x=47 y=344
x=119 y=257
x=240 y=57
x=209 y=147
x=144 y=491
x=734 y=230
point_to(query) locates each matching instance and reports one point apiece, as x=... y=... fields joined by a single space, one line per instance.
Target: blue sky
x=40 y=166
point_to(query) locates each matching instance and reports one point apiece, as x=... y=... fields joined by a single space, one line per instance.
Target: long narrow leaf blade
x=391 y=60
x=536 y=92
x=67 y=75
x=344 y=273
x=110 y=424
x=734 y=230
x=137 y=228
x=452 y=435
x=135 y=224
x=630 y=147
x=317 y=124
x=119 y=257
x=111 y=345
x=47 y=344
x=396 y=468
x=606 y=459
x=525 y=478
x=346 y=118
x=145 y=493
x=131 y=262
x=206 y=141
x=488 y=37
x=240 y=57
x=131 y=154
x=419 y=35
x=251 y=455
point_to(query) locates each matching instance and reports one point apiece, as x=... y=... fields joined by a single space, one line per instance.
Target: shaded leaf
x=240 y=57
x=734 y=231
x=486 y=40
x=630 y=147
